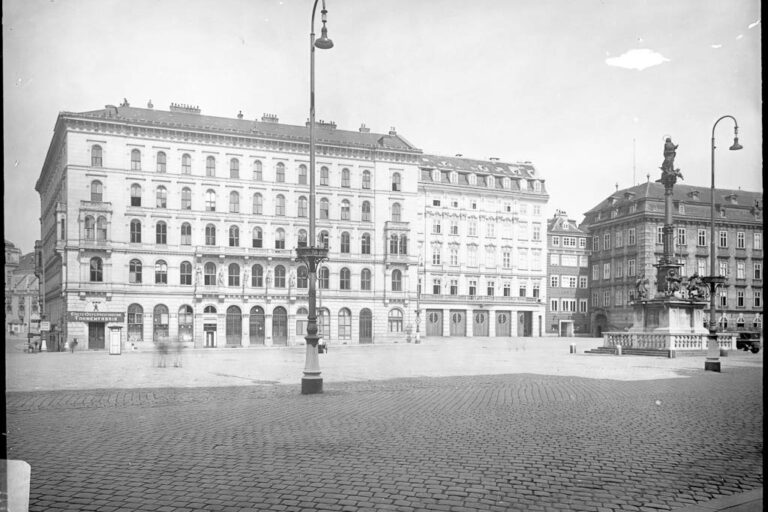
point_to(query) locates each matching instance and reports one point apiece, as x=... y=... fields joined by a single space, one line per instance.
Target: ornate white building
x=483 y=266
x=174 y=224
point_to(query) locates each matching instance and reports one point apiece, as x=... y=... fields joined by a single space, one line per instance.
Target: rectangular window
x=701 y=266
x=553 y=304
x=554 y=260
x=506 y=259
x=758 y=299
x=572 y=282
x=741 y=270
x=606 y=241
x=660 y=235
x=723 y=266
x=435 y=256
x=595 y=299
x=507 y=290
x=595 y=272
x=454 y=256
x=681 y=238
x=536 y=231
x=582 y=305
x=582 y=243
x=619 y=270
x=491 y=289
x=606 y=298
x=522 y=231
x=569 y=241
x=701 y=238
x=595 y=243
x=723 y=239
x=569 y=260
x=454 y=286
x=758 y=270
x=556 y=241
x=554 y=281
x=472 y=287
x=741 y=242
x=723 y=298
x=436 y=287
x=522 y=259
x=631 y=236
x=523 y=290
x=472 y=228
x=490 y=230
x=607 y=270
x=740 y=298
x=454 y=228
x=536 y=259
x=472 y=256
x=435 y=202
x=436 y=227
x=619 y=238
x=757 y=241
x=582 y=281
x=631 y=268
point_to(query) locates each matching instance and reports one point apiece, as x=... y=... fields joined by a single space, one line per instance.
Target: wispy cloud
x=638 y=59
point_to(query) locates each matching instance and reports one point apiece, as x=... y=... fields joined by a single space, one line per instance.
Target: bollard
x=618 y=350
x=573 y=348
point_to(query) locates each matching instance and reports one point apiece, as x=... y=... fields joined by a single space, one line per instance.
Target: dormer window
x=694 y=194
x=454 y=177
x=731 y=198
x=614 y=213
x=490 y=181
x=537 y=186
x=472 y=179
x=681 y=208
x=506 y=183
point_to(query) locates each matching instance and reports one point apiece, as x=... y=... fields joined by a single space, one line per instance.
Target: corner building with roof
x=626 y=242
x=482 y=237
x=172 y=224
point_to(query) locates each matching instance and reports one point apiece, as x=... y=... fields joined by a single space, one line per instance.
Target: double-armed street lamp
x=712 y=362
x=312 y=381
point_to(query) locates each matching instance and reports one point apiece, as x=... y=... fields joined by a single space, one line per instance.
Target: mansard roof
x=324 y=132
x=561 y=224
x=470 y=165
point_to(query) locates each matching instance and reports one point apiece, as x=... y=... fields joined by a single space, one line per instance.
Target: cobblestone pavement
x=479 y=442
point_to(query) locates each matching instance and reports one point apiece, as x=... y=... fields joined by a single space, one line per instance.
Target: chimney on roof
x=493 y=158
x=181 y=107
x=327 y=124
x=269 y=118
x=364 y=129
x=240 y=114
x=392 y=131
x=459 y=155
x=150 y=105
x=617 y=186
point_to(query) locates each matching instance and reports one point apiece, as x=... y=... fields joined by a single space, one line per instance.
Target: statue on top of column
x=668 y=165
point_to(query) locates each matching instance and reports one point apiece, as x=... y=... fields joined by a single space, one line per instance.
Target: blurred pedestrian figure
x=162 y=352
x=72 y=345
x=177 y=346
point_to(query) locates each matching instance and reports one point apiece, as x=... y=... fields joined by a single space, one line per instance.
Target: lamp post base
x=712 y=366
x=311 y=386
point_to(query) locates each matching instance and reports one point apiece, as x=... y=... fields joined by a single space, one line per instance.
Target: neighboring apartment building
x=626 y=241
x=22 y=304
x=568 y=274
x=174 y=224
x=483 y=269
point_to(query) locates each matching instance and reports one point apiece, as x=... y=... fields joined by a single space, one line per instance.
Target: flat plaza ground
x=453 y=425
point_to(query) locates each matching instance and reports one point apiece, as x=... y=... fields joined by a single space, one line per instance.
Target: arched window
x=366 y=179
x=302 y=174
x=280 y=238
x=396 y=212
x=280 y=172
x=97 y=270
x=396 y=185
x=344 y=246
x=395 y=320
x=97 y=191
x=397 y=281
x=96 y=156
x=301 y=321
x=101 y=229
x=345 y=210
x=210 y=234
x=186 y=198
x=324 y=175
x=233 y=275
x=135 y=231
x=324 y=323
x=234 y=202
x=365 y=244
x=160 y=161
x=302 y=276
x=210 y=166
x=303 y=211
x=258 y=204
x=345 y=324
x=90 y=228
x=160 y=323
x=210 y=200
x=210 y=309
x=322 y=239
x=324 y=208
x=186 y=323
x=185 y=273
x=257 y=276
x=186 y=164
x=257 y=176
x=209 y=276
x=234 y=236
x=280 y=205
x=345 y=178
x=134 y=272
x=186 y=234
x=135 y=323
x=345 y=279
x=135 y=160
x=257 y=237
x=135 y=194
x=323 y=278
x=162 y=197
x=234 y=326
x=279 y=276
x=365 y=279
x=161 y=272
x=234 y=168
x=302 y=238
x=161 y=233
x=365 y=212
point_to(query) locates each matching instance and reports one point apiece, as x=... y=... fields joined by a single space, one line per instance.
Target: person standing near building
x=73 y=345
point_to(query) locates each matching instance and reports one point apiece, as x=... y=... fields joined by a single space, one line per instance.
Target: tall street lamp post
x=712 y=362
x=312 y=381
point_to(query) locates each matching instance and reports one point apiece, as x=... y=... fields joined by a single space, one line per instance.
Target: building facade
x=482 y=269
x=568 y=277
x=171 y=224
x=626 y=241
x=22 y=297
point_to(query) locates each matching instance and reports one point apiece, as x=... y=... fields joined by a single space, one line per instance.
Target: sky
x=586 y=90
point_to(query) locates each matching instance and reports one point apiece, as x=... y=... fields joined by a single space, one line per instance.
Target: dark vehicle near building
x=749 y=340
